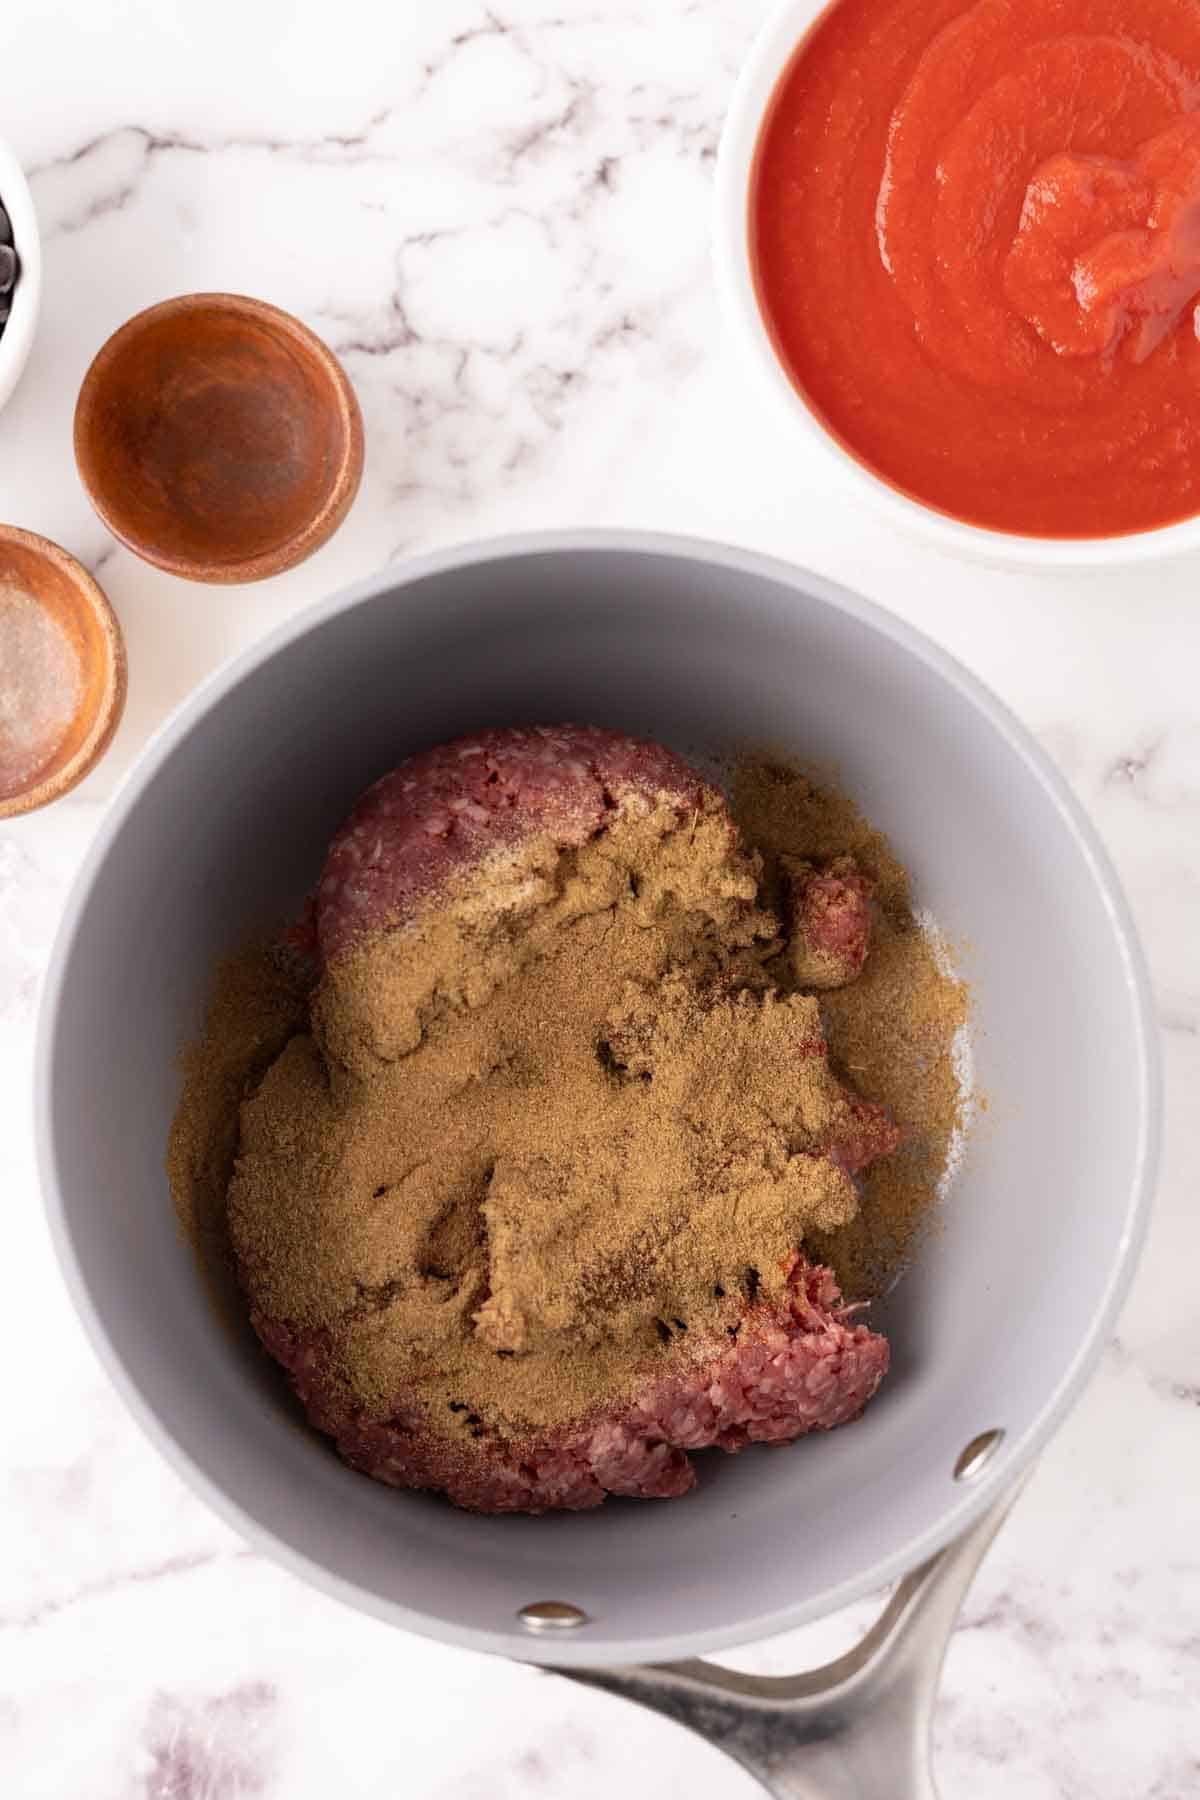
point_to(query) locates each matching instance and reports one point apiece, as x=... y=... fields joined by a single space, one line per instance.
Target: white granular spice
x=40 y=684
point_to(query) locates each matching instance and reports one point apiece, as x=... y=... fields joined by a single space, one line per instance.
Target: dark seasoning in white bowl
x=10 y=266
x=20 y=271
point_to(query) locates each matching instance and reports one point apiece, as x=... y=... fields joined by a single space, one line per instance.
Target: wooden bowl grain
x=218 y=438
x=54 y=581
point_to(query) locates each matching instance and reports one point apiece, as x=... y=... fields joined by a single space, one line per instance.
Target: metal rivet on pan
x=551 y=1615
x=978 y=1454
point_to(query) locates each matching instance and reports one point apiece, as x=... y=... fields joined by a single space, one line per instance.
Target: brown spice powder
x=259 y=1002
x=891 y=1033
x=601 y=1119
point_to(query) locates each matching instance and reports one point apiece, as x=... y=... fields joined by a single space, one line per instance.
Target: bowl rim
x=965 y=1504
x=16 y=340
x=347 y=474
x=116 y=679
x=769 y=56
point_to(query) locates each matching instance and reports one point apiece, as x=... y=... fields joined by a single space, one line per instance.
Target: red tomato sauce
x=976 y=233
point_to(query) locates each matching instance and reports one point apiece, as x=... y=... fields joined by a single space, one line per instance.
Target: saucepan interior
x=220 y=831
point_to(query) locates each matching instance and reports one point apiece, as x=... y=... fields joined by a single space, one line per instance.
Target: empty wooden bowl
x=62 y=672
x=219 y=438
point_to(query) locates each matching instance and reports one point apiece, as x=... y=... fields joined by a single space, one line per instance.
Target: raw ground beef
x=448 y=808
x=784 y=1369
x=793 y=1369
x=830 y=922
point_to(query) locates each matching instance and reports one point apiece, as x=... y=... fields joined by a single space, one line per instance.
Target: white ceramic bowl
x=761 y=73
x=16 y=340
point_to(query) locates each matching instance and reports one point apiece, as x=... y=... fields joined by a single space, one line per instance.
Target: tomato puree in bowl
x=976 y=236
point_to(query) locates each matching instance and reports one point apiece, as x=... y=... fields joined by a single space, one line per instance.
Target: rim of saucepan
x=967 y=1503
x=16 y=340
x=761 y=73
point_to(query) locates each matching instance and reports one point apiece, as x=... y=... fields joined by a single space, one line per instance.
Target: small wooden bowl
x=218 y=438
x=66 y=593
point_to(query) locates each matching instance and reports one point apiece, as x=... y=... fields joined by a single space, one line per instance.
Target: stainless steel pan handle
x=857 y=1729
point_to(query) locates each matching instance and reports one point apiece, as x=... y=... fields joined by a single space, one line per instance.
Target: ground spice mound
x=259 y=1002
x=892 y=1033
x=566 y=1122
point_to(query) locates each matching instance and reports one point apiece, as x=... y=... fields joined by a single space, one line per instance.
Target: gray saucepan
x=220 y=830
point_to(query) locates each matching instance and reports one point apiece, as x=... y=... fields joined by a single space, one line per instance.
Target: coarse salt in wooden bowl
x=218 y=438
x=62 y=672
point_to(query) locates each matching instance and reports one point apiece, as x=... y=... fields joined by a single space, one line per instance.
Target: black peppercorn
x=10 y=268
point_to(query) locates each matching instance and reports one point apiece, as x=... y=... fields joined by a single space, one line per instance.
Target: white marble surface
x=498 y=216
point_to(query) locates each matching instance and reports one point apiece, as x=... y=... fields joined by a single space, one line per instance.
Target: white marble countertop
x=497 y=215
